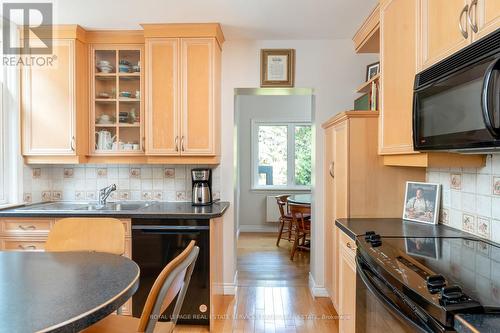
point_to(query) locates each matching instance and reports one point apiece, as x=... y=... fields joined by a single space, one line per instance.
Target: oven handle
x=486 y=97
x=385 y=300
x=170 y=227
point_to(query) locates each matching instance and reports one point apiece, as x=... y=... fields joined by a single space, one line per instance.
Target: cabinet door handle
x=473 y=22
x=182 y=143
x=27 y=247
x=176 y=143
x=330 y=170
x=349 y=246
x=143 y=143
x=73 y=143
x=29 y=227
x=463 y=31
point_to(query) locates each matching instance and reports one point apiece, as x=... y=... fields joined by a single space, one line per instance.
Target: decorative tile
x=169 y=173
x=79 y=195
x=102 y=172
x=147 y=195
x=124 y=195
x=468 y=223
x=496 y=185
x=135 y=173
x=36 y=173
x=456 y=181
x=443 y=216
x=46 y=196
x=56 y=195
x=158 y=195
x=68 y=172
x=27 y=197
x=483 y=227
x=180 y=196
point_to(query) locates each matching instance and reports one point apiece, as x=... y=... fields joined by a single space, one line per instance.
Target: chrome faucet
x=104 y=193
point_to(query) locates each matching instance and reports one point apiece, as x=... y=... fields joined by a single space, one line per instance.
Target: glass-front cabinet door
x=117 y=100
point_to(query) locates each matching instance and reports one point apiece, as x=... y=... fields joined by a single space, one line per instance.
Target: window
x=281 y=155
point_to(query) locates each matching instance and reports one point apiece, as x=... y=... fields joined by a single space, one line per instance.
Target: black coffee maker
x=202 y=187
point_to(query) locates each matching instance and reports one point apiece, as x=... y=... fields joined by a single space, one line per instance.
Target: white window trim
x=290 y=156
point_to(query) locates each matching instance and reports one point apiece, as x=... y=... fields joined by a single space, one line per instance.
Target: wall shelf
x=367 y=86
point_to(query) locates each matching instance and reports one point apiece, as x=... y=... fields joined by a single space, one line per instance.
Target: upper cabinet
x=150 y=96
x=444 y=29
x=485 y=15
x=398 y=68
x=54 y=102
x=448 y=26
x=183 y=91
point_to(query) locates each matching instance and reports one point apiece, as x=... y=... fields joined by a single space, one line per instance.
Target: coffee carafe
x=202 y=187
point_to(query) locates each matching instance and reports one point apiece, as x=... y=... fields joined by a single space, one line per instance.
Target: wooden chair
x=173 y=280
x=85 y=234
x=301 y=226
x=285 y=219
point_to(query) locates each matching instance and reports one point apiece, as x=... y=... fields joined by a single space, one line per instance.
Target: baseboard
x=231 y=288
x=316 y=291
x=258 y=228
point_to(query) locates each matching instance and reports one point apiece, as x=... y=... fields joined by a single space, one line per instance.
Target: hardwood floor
x=273 y=294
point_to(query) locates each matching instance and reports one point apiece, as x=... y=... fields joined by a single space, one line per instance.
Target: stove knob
x=368 y=234
x=435 y=283
x=451 y=293
x=375 y=240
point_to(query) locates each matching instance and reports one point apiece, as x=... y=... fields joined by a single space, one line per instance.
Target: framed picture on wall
x=277 y=67
x=422 y=202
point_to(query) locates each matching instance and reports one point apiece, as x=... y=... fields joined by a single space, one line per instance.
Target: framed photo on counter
x=422 y=202
x=277 y=67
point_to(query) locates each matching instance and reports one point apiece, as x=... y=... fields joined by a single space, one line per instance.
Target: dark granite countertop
x=164 y=210
x=396 y=227
x=63 y=291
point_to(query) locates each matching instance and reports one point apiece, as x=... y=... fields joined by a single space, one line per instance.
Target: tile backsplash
x=133 y=182
x=470 y=198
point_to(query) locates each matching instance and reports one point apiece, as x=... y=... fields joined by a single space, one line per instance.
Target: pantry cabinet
x=357 y=184
x=183 y=91
x=54 y=102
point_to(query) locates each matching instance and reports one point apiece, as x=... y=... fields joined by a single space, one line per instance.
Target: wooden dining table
x=62 y=291
x=300 y=199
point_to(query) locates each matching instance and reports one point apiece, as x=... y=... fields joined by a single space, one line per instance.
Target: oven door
x=459 y=111
x=379 y=308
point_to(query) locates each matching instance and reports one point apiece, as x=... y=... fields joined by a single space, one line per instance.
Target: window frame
x=291 y=125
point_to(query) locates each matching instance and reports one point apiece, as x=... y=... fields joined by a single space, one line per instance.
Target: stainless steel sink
x=85 y=206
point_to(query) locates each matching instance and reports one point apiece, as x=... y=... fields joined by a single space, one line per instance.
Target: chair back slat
x=282 y=201
x=172 y=281
x=87 y=234
x=298 y=213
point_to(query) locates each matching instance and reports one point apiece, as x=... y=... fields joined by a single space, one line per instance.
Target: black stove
x=427 y=280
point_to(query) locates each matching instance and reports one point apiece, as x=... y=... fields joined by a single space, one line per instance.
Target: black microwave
x=456 y=102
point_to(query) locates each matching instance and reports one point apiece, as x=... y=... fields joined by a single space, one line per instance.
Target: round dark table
x=300 y=199
x=62 y=291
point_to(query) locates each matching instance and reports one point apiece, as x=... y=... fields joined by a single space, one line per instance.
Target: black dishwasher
x=155 y=242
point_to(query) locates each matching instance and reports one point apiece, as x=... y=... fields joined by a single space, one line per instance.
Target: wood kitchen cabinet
x=399 y=36
x=357 y=183
x=54 y=102
x=448 y=26
x=347 y=283
x=183 y=91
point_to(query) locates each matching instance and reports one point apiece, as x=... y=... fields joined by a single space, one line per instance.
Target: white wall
x=252 y=211
x=332 y=69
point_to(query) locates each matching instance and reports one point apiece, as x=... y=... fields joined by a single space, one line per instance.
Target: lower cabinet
x=347 y=284
x=30 y=234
